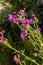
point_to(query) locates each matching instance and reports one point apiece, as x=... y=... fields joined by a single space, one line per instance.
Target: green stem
x=8 y=45
x=33 y=43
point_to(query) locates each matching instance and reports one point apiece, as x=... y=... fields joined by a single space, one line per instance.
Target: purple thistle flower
x=30 y=21
x=22 y=36
x=33 y=15
x=1 y=39
x=3 y=31
x=39 y=29
x=17 y=19
x=19 y=12
x=22 y=11
x=16 y=62
x=14 y=12
x=24 y=22
x=14 y=21
x=11 y=17
x=15 y=56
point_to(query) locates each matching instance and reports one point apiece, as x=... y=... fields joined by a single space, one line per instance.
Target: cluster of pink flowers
x=1 y=36
x=17 y=58
x=20 y=18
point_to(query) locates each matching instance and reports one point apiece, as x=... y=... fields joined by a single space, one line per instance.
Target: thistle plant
x=30 y=34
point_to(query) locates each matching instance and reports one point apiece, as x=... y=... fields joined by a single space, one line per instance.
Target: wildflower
x=35 y=19
x=15 y=59
x=14 y=20
x=30 y=21
x=39 y=29
x=25 y=22
x=3 y=31
x=11 y=17
x=33 y=15
x=1 y=36
x=22 y=11
x=19 y=12
x=22 y=36
x=6 y=39
x=14 y=12
x=15 y=56
x=17 y=19
x=1 y=39
x=16 y=62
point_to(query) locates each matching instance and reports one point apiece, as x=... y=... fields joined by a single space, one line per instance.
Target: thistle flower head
x=39 y=29
x=10 y=18
x=3 y=31
x=15 y=59
x=16 y=62
x=14 y=12
x=25 y=22
x=19 y=12
x=33 y=15
x=15 y=56
x=30 y=21
x=22 y=36
x=17 y=19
